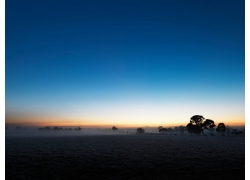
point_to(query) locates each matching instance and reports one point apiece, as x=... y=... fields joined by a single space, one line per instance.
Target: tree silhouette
x=140 y=130
x=221 y=128
x=78 y=128
x=163 y=130
x=208 y=123
x=193 y=128
x=47 y=128
x=170 y=129
x=197 y=125
x=56 y=128
x=197 y=119
x=114 y=128
x=160 y=127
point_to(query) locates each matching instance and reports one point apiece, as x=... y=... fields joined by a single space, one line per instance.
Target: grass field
x=127 y=156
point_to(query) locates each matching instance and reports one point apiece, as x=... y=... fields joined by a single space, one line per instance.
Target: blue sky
x=124 y=62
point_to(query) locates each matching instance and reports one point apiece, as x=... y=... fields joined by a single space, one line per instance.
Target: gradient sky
x=127 y=63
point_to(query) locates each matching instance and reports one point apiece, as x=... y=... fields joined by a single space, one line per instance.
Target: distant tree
x=114 y=128
x=78 y=128
x=55 y=128
x=160 y=127
x=41 y=129
x=47 y=128
x=228 y=130
x=140 y=130
x=182 y=129
x=221 y=128
x=163 y=130
x=236 y=132
x=170 y=129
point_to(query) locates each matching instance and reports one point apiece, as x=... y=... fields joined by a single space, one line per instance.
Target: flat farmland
x=131 y=156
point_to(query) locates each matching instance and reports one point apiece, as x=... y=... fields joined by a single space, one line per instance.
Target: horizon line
x=106 y=125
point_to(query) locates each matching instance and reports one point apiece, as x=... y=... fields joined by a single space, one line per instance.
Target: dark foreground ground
x=125 y=157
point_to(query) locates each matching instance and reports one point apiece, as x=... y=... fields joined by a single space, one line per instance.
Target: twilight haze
x=124 y=63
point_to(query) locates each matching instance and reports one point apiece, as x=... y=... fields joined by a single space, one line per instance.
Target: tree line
x=196 y=125
x=47 y=128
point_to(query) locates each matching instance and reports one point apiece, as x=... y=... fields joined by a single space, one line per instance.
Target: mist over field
x=74 y=131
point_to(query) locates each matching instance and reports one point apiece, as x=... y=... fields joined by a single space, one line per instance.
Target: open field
x=127 y=156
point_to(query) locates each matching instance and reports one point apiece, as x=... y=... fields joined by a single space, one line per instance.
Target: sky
x=124 y=63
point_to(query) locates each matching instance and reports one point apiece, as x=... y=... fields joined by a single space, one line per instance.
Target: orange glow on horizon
x=100 y=124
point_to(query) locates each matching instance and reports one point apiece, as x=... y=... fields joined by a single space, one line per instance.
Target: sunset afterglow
x=82 y=63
